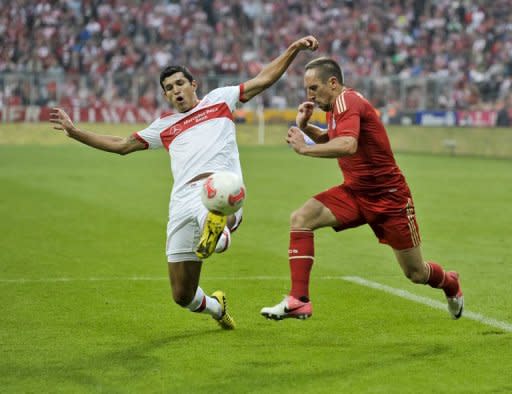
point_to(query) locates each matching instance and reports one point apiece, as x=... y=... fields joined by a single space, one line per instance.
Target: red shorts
x=390 y=214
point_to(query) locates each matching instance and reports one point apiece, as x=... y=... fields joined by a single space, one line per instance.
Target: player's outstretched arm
x=304 y=113
x=337 y=147
x=273 y=71
x=109 y=143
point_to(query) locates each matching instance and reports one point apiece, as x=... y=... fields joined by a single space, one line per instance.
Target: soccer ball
x=223 y=192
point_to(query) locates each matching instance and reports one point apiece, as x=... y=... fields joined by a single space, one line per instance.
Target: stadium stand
x=89 y=52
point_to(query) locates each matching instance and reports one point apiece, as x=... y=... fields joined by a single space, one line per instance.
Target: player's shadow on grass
x=106 y=372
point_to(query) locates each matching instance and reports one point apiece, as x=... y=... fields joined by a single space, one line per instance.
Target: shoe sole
x=213 y=229
x=221 y=299
x=270 y=316
x=226 y=326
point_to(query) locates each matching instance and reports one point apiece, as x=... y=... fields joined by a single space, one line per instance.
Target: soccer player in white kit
x=200 y=138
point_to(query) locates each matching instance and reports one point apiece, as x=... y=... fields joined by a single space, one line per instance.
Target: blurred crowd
x=109 y=49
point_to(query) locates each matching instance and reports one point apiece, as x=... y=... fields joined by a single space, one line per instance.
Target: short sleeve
x=231 y=95
x=150 y=135
x=347 y=115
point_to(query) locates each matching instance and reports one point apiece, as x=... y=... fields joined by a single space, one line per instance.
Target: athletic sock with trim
x=301 y=255
x=439 y=279
x=203 y=303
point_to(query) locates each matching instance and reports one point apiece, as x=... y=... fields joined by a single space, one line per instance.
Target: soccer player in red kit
x=374 y=191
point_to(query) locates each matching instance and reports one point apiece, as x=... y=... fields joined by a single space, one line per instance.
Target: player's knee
x=298 y=219
x=182 y=297
x=416 y=276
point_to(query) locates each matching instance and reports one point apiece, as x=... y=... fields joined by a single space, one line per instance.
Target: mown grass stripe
x=353 y=279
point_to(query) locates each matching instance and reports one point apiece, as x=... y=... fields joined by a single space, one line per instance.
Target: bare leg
x=184 y=279
x=418 y=271
x=312 y=215
x=412 y=264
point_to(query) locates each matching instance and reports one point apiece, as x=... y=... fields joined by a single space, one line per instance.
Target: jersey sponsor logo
x=235 y=198
x=216 y=111
x=210 y=190
x=175 y=130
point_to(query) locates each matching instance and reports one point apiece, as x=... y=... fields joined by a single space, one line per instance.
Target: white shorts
x=186 y=216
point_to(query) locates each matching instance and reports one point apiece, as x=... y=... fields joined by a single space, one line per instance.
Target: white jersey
x=200 y=140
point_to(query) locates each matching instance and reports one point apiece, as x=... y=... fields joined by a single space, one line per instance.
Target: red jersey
x=372 y=168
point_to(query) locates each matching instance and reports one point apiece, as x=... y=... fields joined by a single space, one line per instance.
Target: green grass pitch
x=86 y=304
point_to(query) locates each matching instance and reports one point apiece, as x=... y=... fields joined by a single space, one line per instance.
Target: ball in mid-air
x=223 y=192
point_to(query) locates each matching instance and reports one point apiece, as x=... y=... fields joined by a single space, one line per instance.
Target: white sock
x=213 y=307
x=196 y=305
x=203 y=303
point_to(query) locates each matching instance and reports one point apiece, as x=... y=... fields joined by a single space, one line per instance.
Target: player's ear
x=194 y=84
x=333 y=82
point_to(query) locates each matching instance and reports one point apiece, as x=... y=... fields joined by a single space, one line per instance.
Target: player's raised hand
x=62 y=120
x=304 y=113
x=295 y=139
x=308 y=42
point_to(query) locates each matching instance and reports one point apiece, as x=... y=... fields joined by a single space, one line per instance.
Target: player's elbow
x=267 y=82
x=263 y=82
x=127 y=146
x=120 y=149
x=345 y=146
x=126 y=151
x=351 y=148
x=257 y=85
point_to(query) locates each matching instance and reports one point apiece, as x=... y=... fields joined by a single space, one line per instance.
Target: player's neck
x=336 y=93
x=194 y=104
x=339 y=89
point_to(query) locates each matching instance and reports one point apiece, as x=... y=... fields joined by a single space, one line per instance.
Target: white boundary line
x=138 y=278
x=502 y=325
x=427 y=301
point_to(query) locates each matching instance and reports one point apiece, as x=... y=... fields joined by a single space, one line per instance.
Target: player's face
x=180 y=92
x=320 y=93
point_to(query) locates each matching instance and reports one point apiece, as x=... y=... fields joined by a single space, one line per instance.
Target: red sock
x=439 y=280
x=201 y=306
x=301 y=255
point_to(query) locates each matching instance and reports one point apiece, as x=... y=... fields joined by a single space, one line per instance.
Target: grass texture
x=86 y=304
